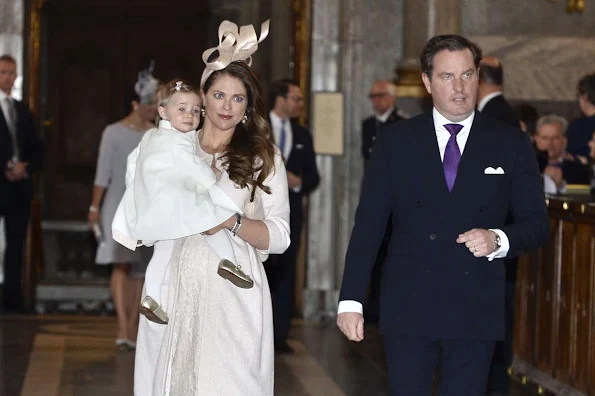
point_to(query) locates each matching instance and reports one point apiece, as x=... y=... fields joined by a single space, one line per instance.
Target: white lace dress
x=219 y=339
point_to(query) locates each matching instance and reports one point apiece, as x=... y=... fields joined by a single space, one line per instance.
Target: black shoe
x=283 y=347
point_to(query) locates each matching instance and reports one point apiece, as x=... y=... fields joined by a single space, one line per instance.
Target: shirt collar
x=165 y=124
x=440 y=120
x=275 y=119
x=3 y=95
x=482 y=103
x=384 y=117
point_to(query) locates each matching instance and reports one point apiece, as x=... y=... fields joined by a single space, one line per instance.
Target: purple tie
x=452 y=155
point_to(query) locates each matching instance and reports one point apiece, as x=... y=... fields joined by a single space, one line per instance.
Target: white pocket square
x=491 y=171
x=299 y=146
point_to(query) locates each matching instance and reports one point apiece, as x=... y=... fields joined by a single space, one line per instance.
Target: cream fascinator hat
x=234 y=45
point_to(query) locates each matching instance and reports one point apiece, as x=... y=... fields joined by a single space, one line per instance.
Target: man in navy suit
x=20 y=156
x=295 y=143
x=491 y=103
x=442 y=296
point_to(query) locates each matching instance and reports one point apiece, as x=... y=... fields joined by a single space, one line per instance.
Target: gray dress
x=117 y=142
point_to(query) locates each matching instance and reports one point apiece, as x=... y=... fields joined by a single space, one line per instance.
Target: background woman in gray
x=117 y=141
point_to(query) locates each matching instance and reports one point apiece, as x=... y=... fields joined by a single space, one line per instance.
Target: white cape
x=170 y=192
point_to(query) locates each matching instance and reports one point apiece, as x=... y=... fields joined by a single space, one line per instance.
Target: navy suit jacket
x=369 y=131
x=301 y=162
x=30 y=147
x=431 y=286
x=499 y=109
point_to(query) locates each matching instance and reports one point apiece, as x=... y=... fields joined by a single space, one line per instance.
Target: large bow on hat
x=234 y=45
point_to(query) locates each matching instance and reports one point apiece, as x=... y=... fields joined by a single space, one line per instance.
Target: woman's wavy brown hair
x=251 y=148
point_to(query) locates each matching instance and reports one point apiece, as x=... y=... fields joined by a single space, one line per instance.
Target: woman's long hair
x=251 y=148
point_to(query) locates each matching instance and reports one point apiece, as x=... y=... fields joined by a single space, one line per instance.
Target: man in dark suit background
x=20 y=156
x=490 y=95
x=580 y=131
x=383 y=97
x=295 y=143
x=443 y=280
x=491 y=103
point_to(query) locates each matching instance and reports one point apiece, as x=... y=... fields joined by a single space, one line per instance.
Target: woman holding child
x=218 y=339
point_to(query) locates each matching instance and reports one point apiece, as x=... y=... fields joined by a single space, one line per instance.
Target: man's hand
x=15 y=171
x=480 y=242
x=293 y=180
x=555 y=173
x=352 y=325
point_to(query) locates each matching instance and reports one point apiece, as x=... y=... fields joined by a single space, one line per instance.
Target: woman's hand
x=229 y=223
x=92 y=218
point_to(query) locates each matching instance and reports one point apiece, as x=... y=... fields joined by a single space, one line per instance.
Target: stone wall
x=544 y=49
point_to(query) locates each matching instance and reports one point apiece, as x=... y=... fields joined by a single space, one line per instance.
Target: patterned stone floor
x=74 y=355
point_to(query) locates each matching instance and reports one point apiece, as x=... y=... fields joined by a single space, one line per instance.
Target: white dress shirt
x=7 y=117
x=276 y=124
x=442 y=135
x=382 y=118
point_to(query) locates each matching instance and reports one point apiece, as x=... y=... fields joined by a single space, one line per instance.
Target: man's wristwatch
x=497 y=241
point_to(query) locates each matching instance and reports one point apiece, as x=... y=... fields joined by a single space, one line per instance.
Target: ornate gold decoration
x=33 y=55
x=409 y=84
x=573 y=6
x=34 y=264
x=302 y=12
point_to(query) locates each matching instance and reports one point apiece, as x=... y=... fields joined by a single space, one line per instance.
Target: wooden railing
x=555 y=300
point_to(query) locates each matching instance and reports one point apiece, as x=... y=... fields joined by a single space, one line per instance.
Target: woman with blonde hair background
x=128 y=267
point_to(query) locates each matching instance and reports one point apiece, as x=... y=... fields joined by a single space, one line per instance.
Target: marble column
x=353 y=43
x=12 y=16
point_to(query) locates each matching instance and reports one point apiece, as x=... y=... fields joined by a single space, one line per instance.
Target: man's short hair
x=280 y=88
x=450 y=42
x=8 y=58
x=492 y=75
x=586 y=85
x=552 y=119
x=528 y=114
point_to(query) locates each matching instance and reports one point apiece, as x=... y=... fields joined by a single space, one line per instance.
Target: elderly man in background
x=563 y=168
x=383 y=98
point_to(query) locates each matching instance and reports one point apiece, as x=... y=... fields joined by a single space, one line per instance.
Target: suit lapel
x=475 y=148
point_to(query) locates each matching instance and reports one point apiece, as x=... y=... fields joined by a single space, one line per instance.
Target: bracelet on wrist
x=237 y=225
x=93 y=209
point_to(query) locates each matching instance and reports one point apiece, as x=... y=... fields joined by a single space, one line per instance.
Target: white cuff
x=504 y=246
x=350 y=306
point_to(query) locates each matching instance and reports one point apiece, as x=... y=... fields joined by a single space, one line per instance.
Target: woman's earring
x=244 y=119
x=202 y=112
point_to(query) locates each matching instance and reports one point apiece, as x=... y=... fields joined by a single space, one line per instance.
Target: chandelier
x=572 y=6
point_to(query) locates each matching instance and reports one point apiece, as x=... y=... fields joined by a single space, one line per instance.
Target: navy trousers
x=412 y=361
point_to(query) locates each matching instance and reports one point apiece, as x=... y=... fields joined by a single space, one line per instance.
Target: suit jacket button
x=418 y=204
x=432 y=236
